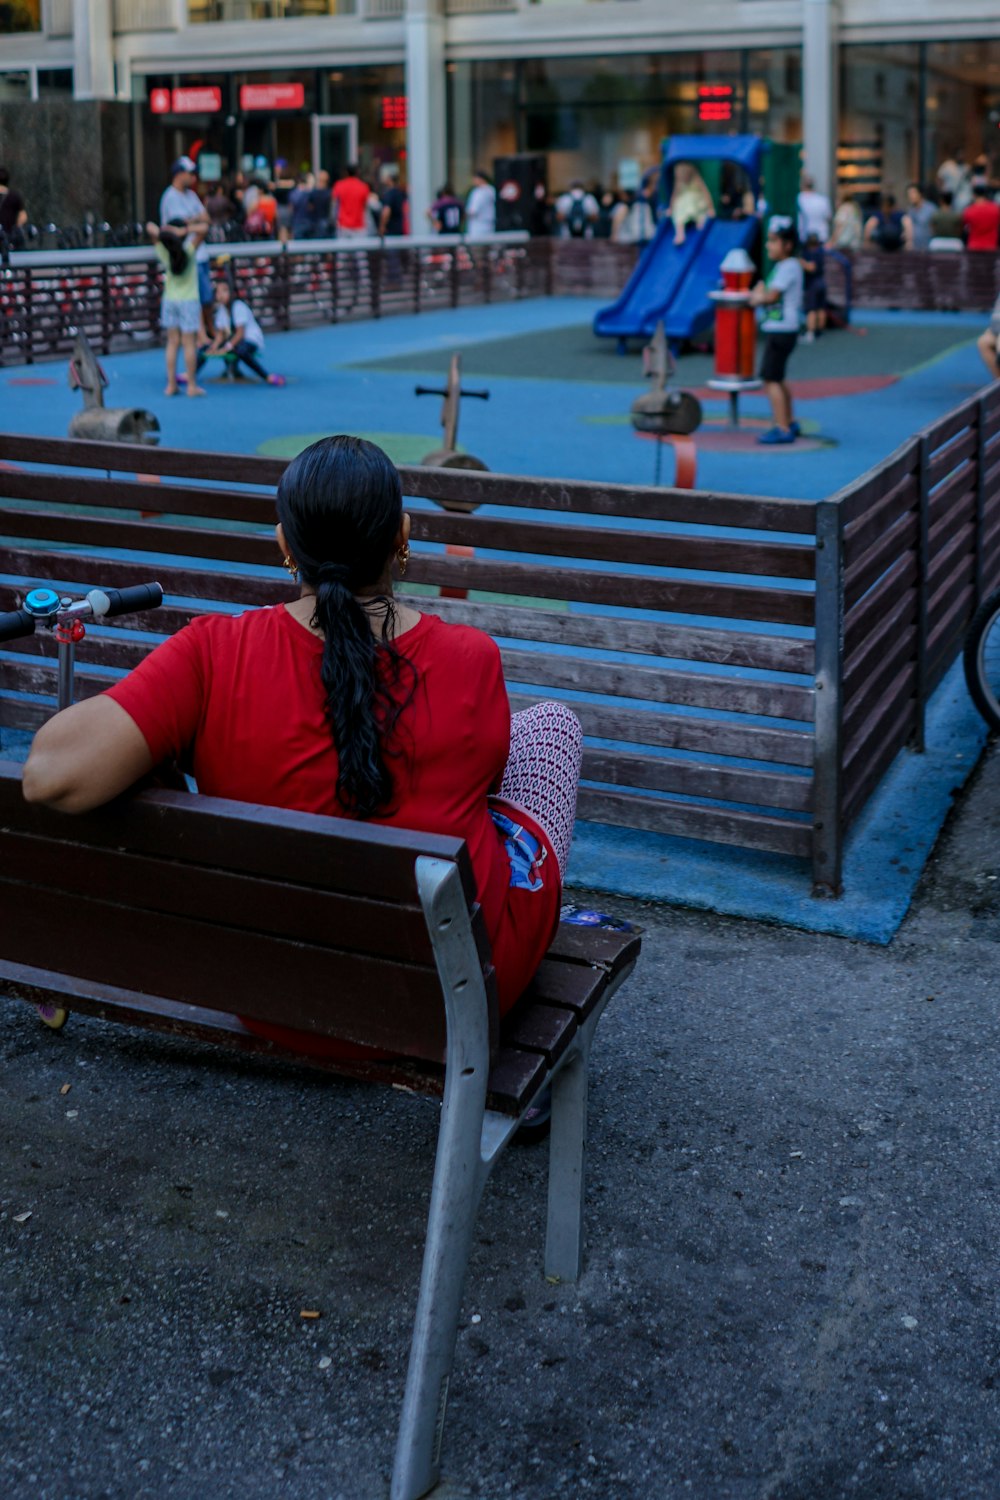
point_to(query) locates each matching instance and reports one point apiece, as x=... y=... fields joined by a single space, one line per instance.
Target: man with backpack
x=885 y=228
x=577 y=213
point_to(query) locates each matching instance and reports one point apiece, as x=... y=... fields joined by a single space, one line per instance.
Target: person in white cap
x=180 y=201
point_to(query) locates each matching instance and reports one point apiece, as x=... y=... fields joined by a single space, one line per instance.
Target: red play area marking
x=820 y=389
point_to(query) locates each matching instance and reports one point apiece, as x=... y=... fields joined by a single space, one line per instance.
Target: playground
x=559 y=397
x=559 y=406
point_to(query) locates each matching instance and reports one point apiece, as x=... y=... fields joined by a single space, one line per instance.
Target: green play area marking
x=575 y=354
x=404 y=448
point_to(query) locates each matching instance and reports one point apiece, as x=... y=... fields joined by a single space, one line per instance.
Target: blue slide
x=672 y=282
x=652 y=286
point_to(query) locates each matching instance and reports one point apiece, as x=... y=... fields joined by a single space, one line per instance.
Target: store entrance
x=334 y=143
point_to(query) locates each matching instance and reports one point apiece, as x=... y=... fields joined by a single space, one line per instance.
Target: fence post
x=980 y=495
x=828 y=771
x=917 y=739
x=106 y=319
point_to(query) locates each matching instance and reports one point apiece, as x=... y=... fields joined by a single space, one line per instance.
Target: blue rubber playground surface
x=559 y=401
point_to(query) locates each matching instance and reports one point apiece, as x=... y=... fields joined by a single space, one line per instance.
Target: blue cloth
x=523 y=850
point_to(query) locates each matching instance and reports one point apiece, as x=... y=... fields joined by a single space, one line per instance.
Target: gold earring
x=292 y=566
x=402 y=558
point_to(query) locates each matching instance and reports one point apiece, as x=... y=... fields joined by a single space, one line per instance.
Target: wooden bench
x=181 y=913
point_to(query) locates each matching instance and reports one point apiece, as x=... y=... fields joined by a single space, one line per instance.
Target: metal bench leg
x=459 y=1176
x=567 y=1144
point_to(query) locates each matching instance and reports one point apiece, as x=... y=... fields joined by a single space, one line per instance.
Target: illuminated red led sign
x=202 y=100
x=715 y=101
x=394 y=112
x=272 y=96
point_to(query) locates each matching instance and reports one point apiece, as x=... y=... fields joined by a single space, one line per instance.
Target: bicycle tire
x=981 y=659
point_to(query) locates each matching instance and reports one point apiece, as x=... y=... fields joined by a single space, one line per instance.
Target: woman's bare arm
x=85 y=756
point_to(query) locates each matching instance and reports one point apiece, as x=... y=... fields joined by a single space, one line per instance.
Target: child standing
x=237 y=332
x=780 y=296
x=180 y=312
x=814 y=266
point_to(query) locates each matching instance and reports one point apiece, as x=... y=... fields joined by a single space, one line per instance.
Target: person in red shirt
x=351 y=195
x=349 y=703
x=981 y=220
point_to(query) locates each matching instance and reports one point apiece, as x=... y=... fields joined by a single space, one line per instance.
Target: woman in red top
x=348 y=703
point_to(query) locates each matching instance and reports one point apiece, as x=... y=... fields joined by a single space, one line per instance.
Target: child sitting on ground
x=237 y=332
x=180 y=311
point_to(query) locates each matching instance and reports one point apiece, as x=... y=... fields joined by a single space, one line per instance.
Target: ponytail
x=340 y=505
x=173 y=243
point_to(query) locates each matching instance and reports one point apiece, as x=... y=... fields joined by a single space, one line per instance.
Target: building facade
x=877 y=91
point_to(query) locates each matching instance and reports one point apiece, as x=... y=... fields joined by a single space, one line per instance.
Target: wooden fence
x=745 y=669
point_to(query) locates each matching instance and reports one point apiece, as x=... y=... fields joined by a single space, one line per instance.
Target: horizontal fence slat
x=790 y=747
x=649 y=548
x=869 y=527
x=865 y=615
x=869 y=737
x=140 y=536
x=178 y=463
x=705 y=508
x=857 y=498
x=782 y=700
x=895 y=730
x=625 y=590
x=897 y=622
x=950 y=457
x=698 y=778
x=649 y=637
x=879 y=558
x=688 y=820
x=123 y=494
x=899 y=656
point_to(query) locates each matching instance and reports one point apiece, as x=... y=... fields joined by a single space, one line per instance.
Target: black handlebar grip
x=130 y=601
x=18 y=622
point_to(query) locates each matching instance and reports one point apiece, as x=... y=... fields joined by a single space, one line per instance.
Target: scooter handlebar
x=16 y=622
x=106 y=602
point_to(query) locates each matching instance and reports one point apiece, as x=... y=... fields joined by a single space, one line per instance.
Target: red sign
x=272 y=96
x=394 y=112
x=203 y=100
x=715 y=101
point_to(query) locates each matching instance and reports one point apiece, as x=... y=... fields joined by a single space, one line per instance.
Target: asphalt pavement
x=792 y=1218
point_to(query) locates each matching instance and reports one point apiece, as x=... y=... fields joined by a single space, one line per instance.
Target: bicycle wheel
x=981 y=658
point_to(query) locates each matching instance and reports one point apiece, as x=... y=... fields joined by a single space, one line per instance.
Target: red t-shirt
x=240 y=700
x=982 y=220
x=352 y=196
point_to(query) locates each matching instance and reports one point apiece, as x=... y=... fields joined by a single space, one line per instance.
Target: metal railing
x=47 y=297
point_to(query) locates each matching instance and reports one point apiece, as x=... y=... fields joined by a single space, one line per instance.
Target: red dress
x=240 y=700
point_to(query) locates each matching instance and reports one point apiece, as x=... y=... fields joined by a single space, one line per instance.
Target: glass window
x=14 y=86
x=879 y=141
x=591 y=115
x=20 y=15
x=962 y=105
x=266 y=10
x=54 y=81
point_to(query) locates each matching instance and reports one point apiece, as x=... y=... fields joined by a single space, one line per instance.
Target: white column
x=425 y=93
x=93 y=58
x=820 y=103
